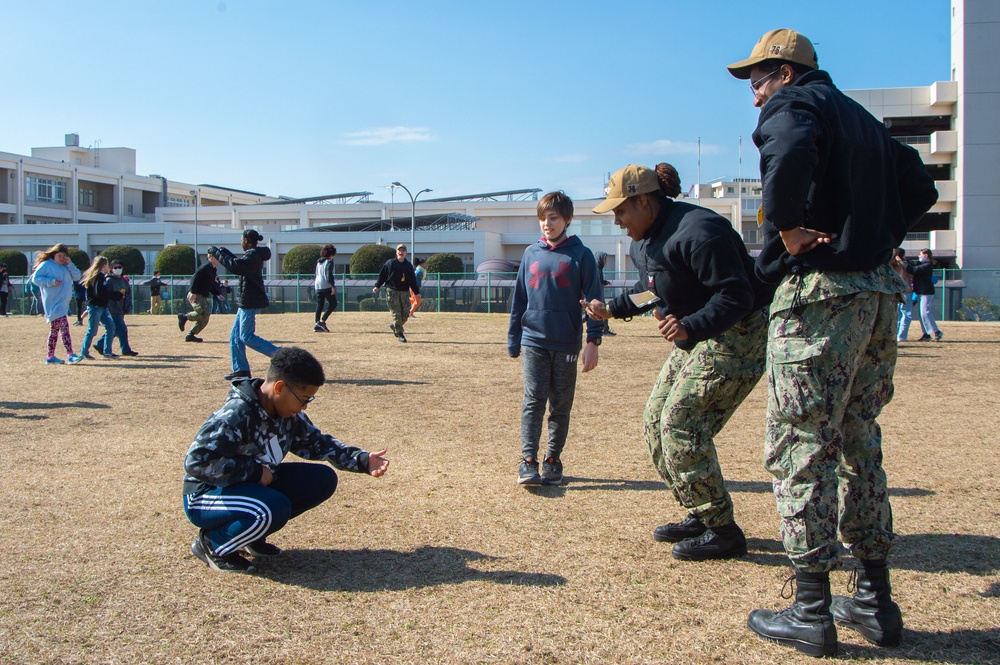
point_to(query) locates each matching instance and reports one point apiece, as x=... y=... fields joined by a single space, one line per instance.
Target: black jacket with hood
x=250 y=292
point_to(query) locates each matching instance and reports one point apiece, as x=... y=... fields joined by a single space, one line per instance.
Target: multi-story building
x=92 y=197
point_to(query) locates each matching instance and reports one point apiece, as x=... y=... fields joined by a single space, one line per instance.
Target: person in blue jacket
x=546 y=328
x=54 y=274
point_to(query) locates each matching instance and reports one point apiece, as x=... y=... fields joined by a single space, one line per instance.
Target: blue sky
x=300 y=98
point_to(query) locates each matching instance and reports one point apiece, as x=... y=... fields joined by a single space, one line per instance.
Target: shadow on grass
x=390 y=570
x=923 y=552
x=375 y=382
x=26 y=406
x=764 y=487
x=612 y=484
x=954 y=646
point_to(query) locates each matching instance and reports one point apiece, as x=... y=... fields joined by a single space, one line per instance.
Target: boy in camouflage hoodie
x=237 y=489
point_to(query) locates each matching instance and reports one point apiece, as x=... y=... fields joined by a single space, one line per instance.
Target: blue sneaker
x=74 y=359
x=54 y=361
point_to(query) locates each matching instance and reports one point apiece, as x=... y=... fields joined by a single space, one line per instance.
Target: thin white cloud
x=569 y=159
x=385 y=135
x=667 y=147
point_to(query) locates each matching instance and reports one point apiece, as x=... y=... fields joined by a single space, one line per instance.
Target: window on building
x=86 y=197
x=129 y=209
x=179 y=201
x=289 y=227
x=45 y=190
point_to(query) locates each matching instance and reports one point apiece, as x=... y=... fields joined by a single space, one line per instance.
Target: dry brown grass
x=445 y=560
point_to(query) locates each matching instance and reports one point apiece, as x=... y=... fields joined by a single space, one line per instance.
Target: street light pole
x=413 y=215
x=392 y=205
x=195 y=195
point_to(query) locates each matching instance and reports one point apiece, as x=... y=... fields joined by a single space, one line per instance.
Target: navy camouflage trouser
x=830 y=367
x=694 y=396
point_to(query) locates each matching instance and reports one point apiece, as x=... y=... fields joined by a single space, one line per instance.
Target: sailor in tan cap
x=839 y=194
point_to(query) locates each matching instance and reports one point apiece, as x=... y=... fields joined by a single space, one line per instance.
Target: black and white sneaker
x=401 y=337
x=318 y=327
x=262 y=548
x=191 y=337
x=182 y=320
x=322 y=324
x=231 y=563
x=242 y=374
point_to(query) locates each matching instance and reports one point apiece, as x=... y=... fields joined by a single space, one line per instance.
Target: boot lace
x=788 y=588
x=852 y=581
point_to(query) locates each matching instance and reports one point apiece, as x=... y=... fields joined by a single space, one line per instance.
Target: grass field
x=445 y=559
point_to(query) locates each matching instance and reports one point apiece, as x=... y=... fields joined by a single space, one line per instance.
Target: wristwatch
x=596 y=341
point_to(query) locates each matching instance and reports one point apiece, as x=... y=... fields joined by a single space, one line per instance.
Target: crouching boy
x=237 y=489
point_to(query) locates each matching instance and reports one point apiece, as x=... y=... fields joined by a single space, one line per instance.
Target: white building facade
x=92 y=198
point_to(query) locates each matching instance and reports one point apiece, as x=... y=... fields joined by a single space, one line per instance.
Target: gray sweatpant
x=549 y=377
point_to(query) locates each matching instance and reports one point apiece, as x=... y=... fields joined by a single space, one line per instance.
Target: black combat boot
x=871 y=611
x=807 y=625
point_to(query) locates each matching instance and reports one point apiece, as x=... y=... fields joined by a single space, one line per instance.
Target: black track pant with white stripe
x=241 y=514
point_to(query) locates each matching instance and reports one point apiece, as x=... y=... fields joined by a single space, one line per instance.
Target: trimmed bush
x=17 y=263
x=130 y=257
x=370 y=304
x=175 y=260
x=79 y=258
x=444 y=263
x=301 y=260
x=368 y=259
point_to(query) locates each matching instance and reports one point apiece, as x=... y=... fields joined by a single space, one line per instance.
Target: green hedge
x=130 y=257
x=301 y=260
x=176 y=260
x=368 y=259
x=17 y=263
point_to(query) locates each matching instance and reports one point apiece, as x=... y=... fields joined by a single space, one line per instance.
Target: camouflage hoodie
x=240 y=438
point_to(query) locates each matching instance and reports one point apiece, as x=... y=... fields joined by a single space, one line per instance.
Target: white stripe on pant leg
x=254 y=507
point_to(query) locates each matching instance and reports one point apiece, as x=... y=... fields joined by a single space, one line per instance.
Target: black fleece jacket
x=697 y=264
x=250 y=292
x=828 y=164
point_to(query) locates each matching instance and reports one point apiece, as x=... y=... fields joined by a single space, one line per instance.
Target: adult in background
x=699 y=282
x=154 y=285
x=839 y=194
x=923 y=286
x=80 y=295
x=415 y=298
x=4 y=289
x=55 y=274
x=325 y=286
x=227 y=291
x=251 y=297
x=199 y=295
x=398 y=276
x=117 y=309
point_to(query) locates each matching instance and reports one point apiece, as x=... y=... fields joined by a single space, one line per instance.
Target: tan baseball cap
x=781 y=44
x=630 y=181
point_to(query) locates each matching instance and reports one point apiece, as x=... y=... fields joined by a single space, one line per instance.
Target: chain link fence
x=972 y=295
